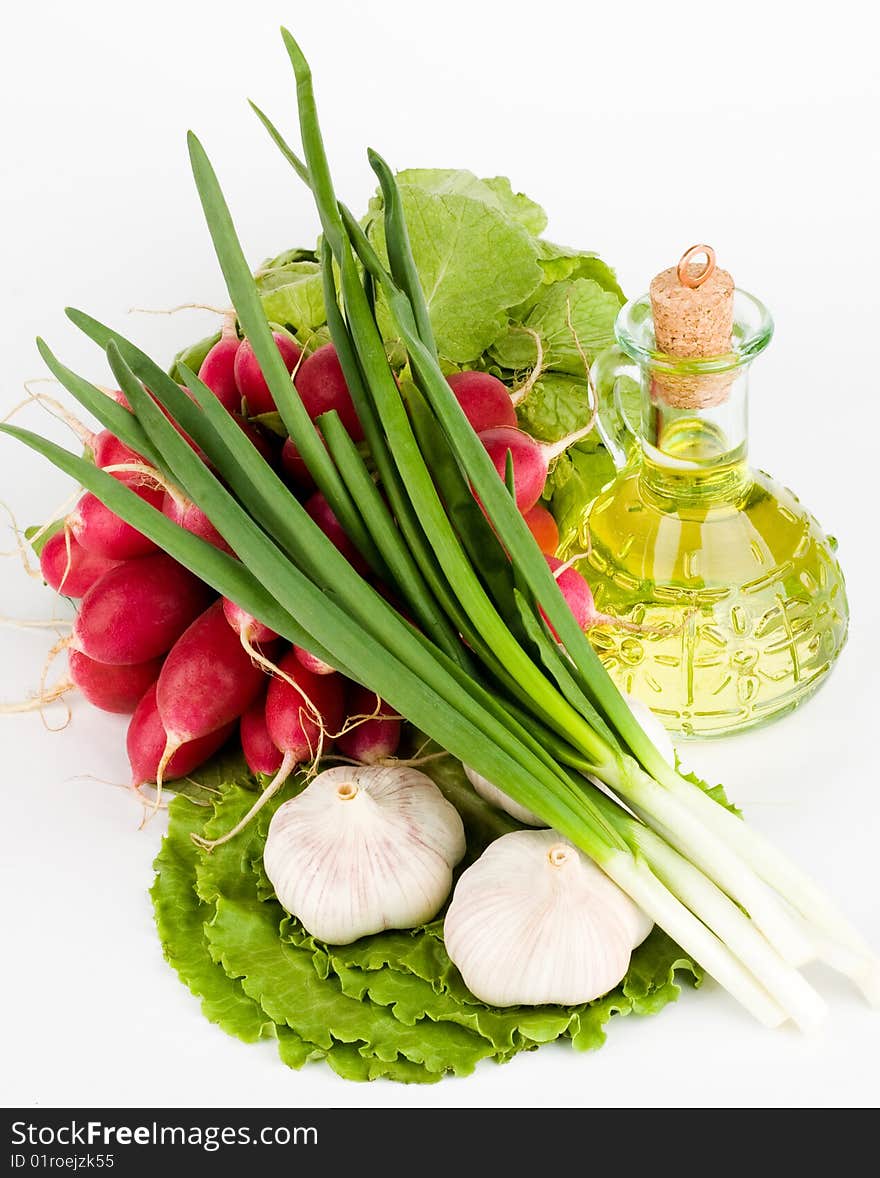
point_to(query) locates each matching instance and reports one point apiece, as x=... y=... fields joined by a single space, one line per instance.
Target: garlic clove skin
x=497 y=797
x=364 y=849
x=534 y=921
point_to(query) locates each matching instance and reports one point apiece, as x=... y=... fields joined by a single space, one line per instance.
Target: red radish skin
x=184 y=512
x=543 y=527
x=312 y=663
x=146 y=740
x=245 y=624
x=108 y=450
x=577 y=593
x=99 y=530
x=374 y=740
x=291 y=721
x=529 y=465
x=321 y=385
x=207 y=680
x=292 y=715
x=249 y=379
x=119 y=397
x=258 y=440
x=319 y=509
x=112 y=688
x=295 y=467
x=69 y=568
x=217 y=371
x=531 y=459
x=260 y=753
x=484 y=399
x=138 y=610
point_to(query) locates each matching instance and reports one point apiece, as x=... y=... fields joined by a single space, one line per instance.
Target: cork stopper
x=692 y=305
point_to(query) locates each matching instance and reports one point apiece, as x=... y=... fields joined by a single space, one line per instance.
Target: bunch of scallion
x=479 y=667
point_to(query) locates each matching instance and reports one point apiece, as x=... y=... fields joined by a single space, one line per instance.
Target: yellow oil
x=730 y=602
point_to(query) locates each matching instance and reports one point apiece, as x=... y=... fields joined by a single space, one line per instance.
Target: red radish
x=373 y=740
x=312 y=663
x=529 y=467
x=112 y=688
x=249 y=378
x=319 y=509
x=260 y=753
x=207 y=680
x=484 y=399
x=138 y=610
x=257 y=439
x=577 y=593
x=303 y=713
x=295 y=467
x=296 y=716
x=543 y=527
x=217 y=371
x=531 y=459
x=99 y=530
x=108 y=450
x=245 y=624
x=119 y=397
x=321 y=385
x=185 y=513
x=146 y=741
x=69 y=568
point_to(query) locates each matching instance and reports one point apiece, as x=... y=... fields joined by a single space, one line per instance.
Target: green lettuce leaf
x=391 y=1005
x=593 y=311
x=575 y=480
x=496 y=192
x=180 y=919
x=192 y=356
x=560 y=263
x=292 y=296
x=474 y=262
x=558 y=405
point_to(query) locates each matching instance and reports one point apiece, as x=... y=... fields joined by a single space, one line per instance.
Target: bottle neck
x=694 y=442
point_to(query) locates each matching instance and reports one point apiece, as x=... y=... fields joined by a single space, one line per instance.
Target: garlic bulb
x=364 y=849
x=499 y=798
x=535 y=921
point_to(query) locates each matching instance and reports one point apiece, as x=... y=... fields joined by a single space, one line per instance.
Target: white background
x=641 y=127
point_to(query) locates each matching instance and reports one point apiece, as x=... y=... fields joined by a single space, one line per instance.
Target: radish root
x=36 y=623
x=522 y=391
x=284 y=770
x=275 y=671
x=224 y=311
x=52 y=407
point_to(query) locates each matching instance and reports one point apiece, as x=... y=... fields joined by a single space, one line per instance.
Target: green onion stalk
x=480 y=668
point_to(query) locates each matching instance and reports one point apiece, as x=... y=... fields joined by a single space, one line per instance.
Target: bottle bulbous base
x=726 y=615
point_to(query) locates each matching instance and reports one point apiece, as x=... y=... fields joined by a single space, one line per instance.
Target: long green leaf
x=114 y=417
x=440 y=594
x=218 y=569
x=281 y=143
x=319 y=616
x=246 y=300
x=405 y=572
x=400 y=256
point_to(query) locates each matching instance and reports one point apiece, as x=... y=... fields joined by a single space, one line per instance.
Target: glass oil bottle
x=728 y=599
